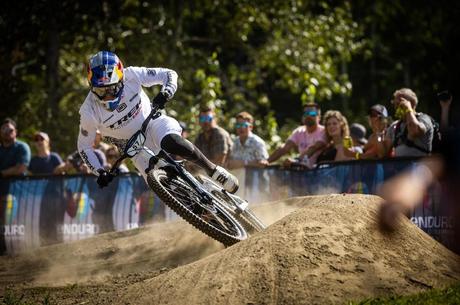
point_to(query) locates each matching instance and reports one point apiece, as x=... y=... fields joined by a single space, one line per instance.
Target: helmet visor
x=107 y=92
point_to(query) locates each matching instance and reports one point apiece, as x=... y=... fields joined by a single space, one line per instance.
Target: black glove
x=104 y=178
x=161 y=99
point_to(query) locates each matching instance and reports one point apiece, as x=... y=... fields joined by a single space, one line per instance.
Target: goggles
x=107 y=91
x=242 y=125
x=310 y=113
x=205 y=118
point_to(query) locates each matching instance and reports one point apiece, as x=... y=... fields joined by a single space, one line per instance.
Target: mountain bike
x=199 y=200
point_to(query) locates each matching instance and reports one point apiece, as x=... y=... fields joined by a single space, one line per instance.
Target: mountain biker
x=117 y=106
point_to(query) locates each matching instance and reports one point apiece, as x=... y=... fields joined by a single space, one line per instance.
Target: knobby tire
x=155 y=178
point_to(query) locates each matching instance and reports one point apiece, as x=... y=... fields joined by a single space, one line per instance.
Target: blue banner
x=43 y=210
x=38 y=211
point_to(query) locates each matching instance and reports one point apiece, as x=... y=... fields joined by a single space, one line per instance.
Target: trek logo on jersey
x=127 y=118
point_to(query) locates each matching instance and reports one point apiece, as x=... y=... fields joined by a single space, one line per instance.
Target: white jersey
x=123 y=122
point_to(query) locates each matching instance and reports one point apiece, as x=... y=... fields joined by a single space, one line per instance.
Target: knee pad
x=176 y=145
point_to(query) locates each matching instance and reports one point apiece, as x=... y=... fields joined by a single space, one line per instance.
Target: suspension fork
x=171 y=164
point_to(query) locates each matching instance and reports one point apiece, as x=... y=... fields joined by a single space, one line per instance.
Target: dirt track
x=329 y=251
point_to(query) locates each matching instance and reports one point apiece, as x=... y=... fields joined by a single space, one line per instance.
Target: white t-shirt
x=123 y=122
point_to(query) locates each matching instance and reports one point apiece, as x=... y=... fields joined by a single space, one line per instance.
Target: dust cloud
x=317 y=250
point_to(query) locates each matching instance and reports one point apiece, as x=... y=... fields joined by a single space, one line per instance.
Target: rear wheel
x=209 y=217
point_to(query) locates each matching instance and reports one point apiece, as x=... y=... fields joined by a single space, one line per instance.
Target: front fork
x=164 y=161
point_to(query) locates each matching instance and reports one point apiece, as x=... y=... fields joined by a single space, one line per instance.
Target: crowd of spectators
x=317 y=140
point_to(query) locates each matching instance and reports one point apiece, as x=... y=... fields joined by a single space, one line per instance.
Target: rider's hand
x=161 y=99
x=104 y=178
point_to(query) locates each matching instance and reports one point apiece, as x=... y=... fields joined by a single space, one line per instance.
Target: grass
x=447 y=296
x=11 y=298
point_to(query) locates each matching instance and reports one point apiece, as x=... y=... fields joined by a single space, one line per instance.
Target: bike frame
x=135 y=145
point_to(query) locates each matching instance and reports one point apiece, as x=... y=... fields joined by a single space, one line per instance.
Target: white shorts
x=156 y=131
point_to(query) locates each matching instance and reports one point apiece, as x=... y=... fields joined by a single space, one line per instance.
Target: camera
x=444 y=95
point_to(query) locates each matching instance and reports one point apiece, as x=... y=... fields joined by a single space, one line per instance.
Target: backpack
x=435 y=142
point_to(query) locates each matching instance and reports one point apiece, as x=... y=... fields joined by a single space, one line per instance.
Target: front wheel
x=208 y=217
x=247 y=218
x=244 y=216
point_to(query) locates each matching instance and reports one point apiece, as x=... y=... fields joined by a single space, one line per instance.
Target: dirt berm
x=327 y=252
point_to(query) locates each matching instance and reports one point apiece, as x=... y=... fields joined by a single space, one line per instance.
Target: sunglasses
x=39 y=139
x=242 y=125
x=310 y=113
x=205 y=118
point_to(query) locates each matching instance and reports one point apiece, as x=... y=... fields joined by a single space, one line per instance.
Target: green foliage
x=12 y=298
x=265 y=57
x=449 y=295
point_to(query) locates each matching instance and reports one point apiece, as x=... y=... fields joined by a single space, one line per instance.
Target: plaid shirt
x=219 y=143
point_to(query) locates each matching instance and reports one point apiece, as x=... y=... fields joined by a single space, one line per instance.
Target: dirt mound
x=329 y=251
x=155 y=247
x=129 y=255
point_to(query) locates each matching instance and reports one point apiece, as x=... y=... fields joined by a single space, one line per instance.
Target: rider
x=116 y=106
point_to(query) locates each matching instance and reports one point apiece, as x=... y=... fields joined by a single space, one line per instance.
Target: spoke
x=189 y=198
x=181 y=193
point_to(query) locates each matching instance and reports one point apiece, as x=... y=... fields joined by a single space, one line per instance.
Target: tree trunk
x=52 y=72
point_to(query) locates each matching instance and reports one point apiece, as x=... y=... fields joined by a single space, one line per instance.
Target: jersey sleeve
x=148 y=77
x=86 y=136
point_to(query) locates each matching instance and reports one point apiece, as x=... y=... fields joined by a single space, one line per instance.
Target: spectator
x=185 y=130
x=378 y=121
x=14 y=154
x=405 y=191
x=358 y=135
x=213 y=140
x=309 y=138
x=248 y=149
x=99 y=144
x=112 y=155
x=412 y=133
x=74 y=163
x=338 y=147
x=45 y=162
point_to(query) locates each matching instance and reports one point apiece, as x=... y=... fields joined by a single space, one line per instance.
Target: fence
x=41 y=210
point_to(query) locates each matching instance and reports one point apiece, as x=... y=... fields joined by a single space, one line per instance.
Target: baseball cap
x=380 y=109
x=43 y=135
x=358 y=132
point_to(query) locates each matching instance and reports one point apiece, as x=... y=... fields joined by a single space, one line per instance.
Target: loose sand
x=330 y=250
